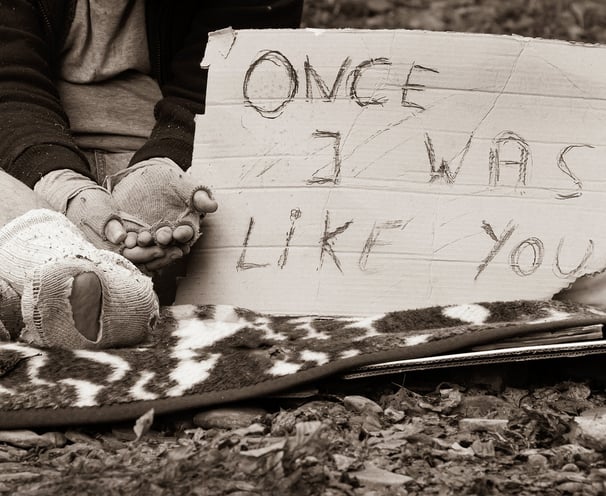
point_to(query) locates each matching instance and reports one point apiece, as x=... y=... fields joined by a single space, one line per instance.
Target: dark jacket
x=34 y=129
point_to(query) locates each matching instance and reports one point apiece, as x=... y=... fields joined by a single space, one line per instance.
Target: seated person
x=97 y=105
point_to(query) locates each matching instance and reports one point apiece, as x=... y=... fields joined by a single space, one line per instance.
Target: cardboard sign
x=366 y=171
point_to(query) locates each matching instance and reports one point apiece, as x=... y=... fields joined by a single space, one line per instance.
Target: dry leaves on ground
x=449 y=441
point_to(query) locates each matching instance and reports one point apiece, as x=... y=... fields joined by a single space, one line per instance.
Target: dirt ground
x=527 y=429
x=573 y=20
x=524 y=429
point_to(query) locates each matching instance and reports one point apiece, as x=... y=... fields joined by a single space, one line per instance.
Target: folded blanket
x=206 y=355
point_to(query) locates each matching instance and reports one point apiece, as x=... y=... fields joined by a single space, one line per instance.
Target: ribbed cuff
x=174 y=149
x=39 y=160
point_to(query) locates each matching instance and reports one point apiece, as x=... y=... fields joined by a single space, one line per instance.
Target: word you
x=525 y=256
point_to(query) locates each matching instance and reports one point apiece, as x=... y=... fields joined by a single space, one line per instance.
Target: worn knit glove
x=89 y=206
x=40 y=254
x=159 y=193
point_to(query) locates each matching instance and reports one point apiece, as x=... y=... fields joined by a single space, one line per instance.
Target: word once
x=284 y=70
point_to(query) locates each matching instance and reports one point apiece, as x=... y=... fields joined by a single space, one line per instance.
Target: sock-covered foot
x=85 y=301
x=45 y=258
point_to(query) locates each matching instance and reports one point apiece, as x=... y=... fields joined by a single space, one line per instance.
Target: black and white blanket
x=206 y=355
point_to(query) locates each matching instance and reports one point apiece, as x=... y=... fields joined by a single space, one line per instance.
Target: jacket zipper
x=47 y=25
x=154 y=33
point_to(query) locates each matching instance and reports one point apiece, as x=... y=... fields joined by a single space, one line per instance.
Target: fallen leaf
x=29 y=439
x=259 y=452
x=182 y=453
x=250 y=430
x=361 y=404
x=458 y=451
x=228 y=418
x=20 y=477
x=483 y=449
x=342 y=462
x=393 y=415
x=372 y=475
x=143 y=424
x=482 y=425
x=303 y=429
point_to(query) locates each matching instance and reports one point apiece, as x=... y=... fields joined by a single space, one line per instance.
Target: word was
x=508 y=150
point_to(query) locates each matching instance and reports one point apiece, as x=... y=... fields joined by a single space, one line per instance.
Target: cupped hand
x=162 y=207
x=94 y=211
x=181 y=233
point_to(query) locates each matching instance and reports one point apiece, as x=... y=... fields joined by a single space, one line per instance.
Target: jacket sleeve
x=34 y=129
x=184 y=87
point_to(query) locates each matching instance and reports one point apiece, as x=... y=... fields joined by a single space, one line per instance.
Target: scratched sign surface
x=364 y=171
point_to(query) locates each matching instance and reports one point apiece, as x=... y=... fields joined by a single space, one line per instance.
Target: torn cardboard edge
x=219 y=44
x=221 y=41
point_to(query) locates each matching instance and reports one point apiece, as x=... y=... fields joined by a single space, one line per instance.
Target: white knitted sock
x=40 y=254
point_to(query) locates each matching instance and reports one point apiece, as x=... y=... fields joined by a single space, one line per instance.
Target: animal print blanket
x=205 y=355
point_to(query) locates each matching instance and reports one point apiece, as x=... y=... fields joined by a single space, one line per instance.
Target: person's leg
x=85 y=298
x=17 y=199
x=72 y=294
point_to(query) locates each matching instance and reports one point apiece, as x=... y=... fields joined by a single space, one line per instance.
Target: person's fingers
x=131 y=240
x=171 y=255
x=115 y=232
x=164 y=236
x=183 y=234
x=203 y=203
x=145 y=238
x=143 y=254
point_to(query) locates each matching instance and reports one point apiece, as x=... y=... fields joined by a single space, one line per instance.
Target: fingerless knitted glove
x=89 y=206
x=159 y=193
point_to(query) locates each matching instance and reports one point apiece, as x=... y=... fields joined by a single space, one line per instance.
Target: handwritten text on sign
x=363 y=171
